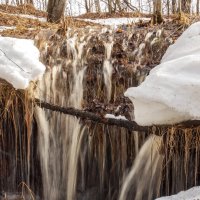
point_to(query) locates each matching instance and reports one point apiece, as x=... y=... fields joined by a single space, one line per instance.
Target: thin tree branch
x=129 y=5
x=130 y=125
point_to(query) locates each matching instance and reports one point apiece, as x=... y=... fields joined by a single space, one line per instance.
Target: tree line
x=56 y=8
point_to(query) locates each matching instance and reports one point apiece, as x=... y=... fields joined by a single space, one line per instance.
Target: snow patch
x=170 y=94
x=117 y=21
x=191 y=194
x=41 y=19
x=115 y=117
x=3 y=28
x=19 y=61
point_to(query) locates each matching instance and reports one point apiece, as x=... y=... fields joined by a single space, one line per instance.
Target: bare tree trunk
x=118 y=5
x=197 y=7
x=97 y=6
x=90 y=5
x=185 y=6
x=55 y=10
x=168 y=8
x=179 y=8
x=173 y=6
x=87 y=7
x=29 y=2
x=110 y=6
x=17 y=2
x=114 y=7
x=157 y=16
x=150 y=7
x=139 y=5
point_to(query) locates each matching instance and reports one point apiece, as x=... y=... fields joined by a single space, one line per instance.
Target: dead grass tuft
x=105 y=15
x=22 y=9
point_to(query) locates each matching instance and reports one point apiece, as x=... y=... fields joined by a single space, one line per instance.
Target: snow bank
x=191 y=194
x=170 y=94
x=116 y=21
x=19 y=61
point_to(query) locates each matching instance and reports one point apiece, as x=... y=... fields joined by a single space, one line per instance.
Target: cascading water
x=143 y=181
x=83 y=68
x=107 y=67
x=90 y=69
x=79 y=160
x=60 y=136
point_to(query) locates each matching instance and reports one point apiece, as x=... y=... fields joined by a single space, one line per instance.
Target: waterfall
x=89 y=162
x=60 y=136
x=107 y=67
x=143 y=181
x=90 y=69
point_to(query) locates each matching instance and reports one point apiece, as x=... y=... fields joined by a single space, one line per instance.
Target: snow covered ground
x=41 y=19
x=19 y=61
x=191 y=194
x=116 y=21
x=170 y=94
x=2 y=28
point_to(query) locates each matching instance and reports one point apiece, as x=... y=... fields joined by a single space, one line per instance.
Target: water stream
x=78 y=160
x=60 y=136
x=143 y=181
x=62 y=143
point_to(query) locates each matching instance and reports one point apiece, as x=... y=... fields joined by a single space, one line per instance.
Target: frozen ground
x=19 y=61
x=170 y=94
x=116 y=21
x=191 y=194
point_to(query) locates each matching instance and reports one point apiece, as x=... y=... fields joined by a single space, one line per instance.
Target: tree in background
x=186 y=6
x=197 y=7
x=55 y=10
x=157 y=12
x=97 y=6
x=173 y=6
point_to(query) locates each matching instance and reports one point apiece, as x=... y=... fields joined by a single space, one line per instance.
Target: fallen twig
x=130 y=125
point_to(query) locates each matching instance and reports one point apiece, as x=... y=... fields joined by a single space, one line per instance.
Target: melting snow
x=191 y=194
x=2 y=28
x=170 y=94
x=19 y=61
x=115 y=117
x=41 y=19
x=116 y=21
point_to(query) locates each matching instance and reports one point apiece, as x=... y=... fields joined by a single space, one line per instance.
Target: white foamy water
x=143 y=180
x=60 y=136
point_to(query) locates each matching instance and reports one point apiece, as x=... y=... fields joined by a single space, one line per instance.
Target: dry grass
x=13 y=20
x=15 y=105
x=29 y=28
x=22 y=9
x=105 y=15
